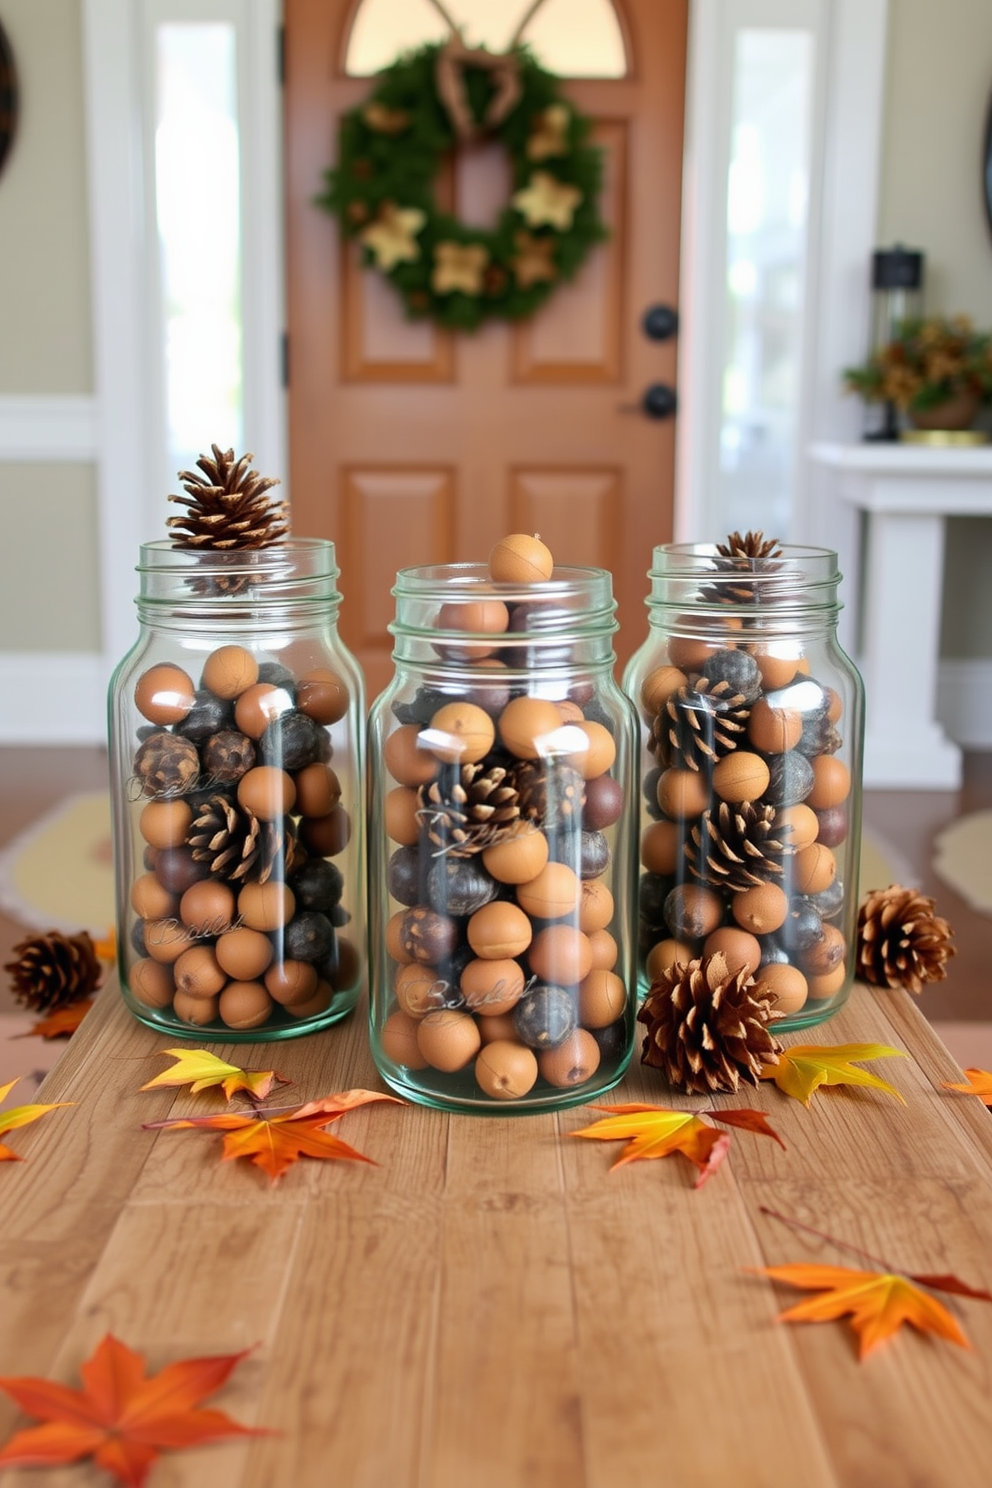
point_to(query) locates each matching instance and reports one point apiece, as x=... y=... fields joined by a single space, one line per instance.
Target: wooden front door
x=409 y=445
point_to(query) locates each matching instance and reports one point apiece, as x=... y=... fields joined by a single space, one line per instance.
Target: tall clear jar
x=237 y=796
x=750 y=761
x=502 y=861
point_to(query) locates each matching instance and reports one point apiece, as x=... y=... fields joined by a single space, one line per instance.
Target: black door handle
x=660 y=322
x=659 y=401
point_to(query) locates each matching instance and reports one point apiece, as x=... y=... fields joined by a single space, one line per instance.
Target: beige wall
x=44 y=251
x=49 y=584
x=936 y=101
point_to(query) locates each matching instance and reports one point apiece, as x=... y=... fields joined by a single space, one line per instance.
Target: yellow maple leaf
x=979 y=1083
x=803 y=1068
x=20 y=1116
x=654 y=1131
x=201 y=1070
x=878 y=1303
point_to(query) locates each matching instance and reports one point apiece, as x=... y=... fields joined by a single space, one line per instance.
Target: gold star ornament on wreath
x=382 y=189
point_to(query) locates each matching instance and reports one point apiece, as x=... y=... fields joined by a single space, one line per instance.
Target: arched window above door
x=574 y=38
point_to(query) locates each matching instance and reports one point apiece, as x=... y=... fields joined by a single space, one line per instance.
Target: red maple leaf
x=122 y=1417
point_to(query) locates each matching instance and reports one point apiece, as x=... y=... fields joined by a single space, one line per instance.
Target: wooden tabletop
x=491 y=1305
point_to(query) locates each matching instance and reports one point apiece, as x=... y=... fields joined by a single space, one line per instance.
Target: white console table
x=894 y=567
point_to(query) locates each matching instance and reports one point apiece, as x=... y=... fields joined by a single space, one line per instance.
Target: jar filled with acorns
x=237 y=750
x=502 y=862
x=751 y=739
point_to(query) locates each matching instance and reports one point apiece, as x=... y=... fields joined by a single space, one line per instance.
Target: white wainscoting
x=53 y=697
x=964 y=701
x=54 y=428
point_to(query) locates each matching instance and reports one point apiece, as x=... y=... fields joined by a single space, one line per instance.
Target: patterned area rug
x=59 y=873
x=963 y=859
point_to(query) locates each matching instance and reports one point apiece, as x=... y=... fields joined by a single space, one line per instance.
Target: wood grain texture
x=489 y=1304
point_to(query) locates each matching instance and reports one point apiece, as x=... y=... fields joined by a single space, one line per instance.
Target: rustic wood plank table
x=492 y=1306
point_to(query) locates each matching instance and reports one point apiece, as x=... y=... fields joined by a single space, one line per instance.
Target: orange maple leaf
x=878 y=1302
x=122 y=1417
x=273 y=1139
x=979 y=1083
x=20 y=1116
x=60 y=1024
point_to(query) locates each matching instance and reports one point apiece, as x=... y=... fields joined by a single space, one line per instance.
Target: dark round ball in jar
x=604 y=803
x=833 y=826
x=790 y=778
x=422 y=706
x=426 y=936
x=652 y=892
x=803 y=927
x=292 y=740
x=545 y=1016
x=829 y=901
x=594 y=857
x=277 y=675
x=138 y=938
x=403 y=876
x=208 y=715
x=227 y=756
x=459 y=886
x=177 y=869
x=612 y=1040
x=309 y=936
x=318 y=885
x=737 y=669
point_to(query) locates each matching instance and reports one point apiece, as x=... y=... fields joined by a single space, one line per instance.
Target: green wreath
x=390 y=148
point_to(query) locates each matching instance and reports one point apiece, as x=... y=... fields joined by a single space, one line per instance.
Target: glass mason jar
x=502 y=862
x=237 y=796
x=751 y=739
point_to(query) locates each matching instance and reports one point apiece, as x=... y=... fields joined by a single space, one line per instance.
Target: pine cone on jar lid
x=707 y=1026
x=469 y=808
x=736 y=846
x=54 y=970
x=901 y=942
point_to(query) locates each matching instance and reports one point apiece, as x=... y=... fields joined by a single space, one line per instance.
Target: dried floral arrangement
x=928 y=362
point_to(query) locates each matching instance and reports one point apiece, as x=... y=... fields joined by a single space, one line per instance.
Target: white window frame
x=117 y=44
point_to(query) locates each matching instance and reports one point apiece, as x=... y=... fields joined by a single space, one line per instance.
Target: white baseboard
x=964 y=702
x=53 y=698
x=40 y=428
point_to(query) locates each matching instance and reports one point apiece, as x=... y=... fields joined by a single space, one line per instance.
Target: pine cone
x=469 y=808
x=238 y=845
x=551 y=794
x=901 y=942
x=699 y=725
x=51 y=971
x=750 y=554
x=227 y=507
x=734 y=847
x=167 y=764
x=708 y=1026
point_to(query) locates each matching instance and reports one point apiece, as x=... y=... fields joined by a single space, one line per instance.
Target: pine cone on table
x=707 y=1026
x=698 y=725
x=238 y=845
x=54 y=970
x=469 y=808
x=737 y=847
x=901 y=942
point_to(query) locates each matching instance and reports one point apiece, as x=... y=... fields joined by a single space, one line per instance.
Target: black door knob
x=660 y=322
x=659 y=401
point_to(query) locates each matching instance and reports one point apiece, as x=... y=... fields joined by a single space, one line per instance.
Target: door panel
x=410 y=445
